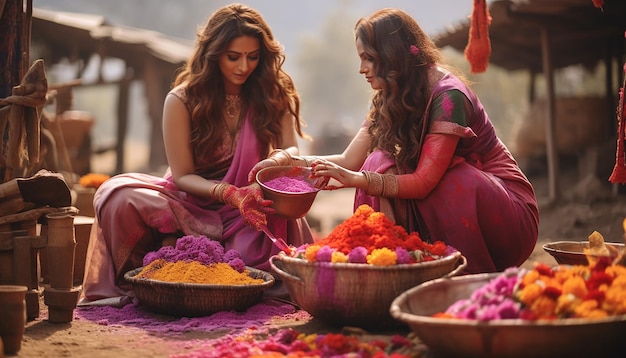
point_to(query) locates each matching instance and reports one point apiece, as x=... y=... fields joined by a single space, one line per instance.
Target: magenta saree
x=484 y=205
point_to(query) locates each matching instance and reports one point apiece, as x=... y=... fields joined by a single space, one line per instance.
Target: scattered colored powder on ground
x=133 y=315
x=291 y=343
x=290 y=184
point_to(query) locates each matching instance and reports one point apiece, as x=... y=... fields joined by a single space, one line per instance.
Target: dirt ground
x=589 y=206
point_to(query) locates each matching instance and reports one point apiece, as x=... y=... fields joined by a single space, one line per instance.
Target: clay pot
x=60 y=250
x=12 y=317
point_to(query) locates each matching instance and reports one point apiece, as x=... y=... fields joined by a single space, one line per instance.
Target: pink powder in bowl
x=290 y=184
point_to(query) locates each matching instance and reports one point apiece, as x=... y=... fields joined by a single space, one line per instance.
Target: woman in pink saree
x=231 y=106
x=427 y=154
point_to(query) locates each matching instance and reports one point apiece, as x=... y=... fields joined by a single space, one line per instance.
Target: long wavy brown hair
x=269 y=90
x=397 y=112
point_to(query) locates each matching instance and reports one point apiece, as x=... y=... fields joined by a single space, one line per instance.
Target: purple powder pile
x=197 y=248
x=290 y=185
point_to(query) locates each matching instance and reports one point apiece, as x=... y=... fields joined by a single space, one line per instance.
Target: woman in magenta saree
x=428 y=156
x=483 y=205
x=230 y=106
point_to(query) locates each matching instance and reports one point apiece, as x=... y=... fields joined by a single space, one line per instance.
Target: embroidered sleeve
x=450 y=114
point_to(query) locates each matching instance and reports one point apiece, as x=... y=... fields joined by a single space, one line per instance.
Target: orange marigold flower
x=311 y=251
x=589 y=309
x=93 y=180
x=615 y=298
x=544 y=307
x=529 y=293
x=530 y=277
x=576 y=286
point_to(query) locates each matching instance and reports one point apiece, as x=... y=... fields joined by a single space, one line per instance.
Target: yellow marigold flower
x=338 y=256
x=576 y=286
x=310 y=252
x=530 y=293
x=382 y=257
x=544 y=307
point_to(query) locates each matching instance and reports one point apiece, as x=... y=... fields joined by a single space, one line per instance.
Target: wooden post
x=551 y=149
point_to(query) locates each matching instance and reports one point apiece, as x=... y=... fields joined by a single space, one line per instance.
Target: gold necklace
x=232 y=104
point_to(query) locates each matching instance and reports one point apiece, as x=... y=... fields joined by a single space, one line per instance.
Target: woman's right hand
x=253 y=207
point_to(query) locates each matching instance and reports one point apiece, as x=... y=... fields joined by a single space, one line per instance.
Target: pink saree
x=133 y=210
x=484 y=206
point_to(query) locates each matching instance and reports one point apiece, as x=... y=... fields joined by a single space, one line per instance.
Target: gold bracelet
x=296 y=161
x=282 y=151
x=375 y=184
x=308 y=160
x=390 y=185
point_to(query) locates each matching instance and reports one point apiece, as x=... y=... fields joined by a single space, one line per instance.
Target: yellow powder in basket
x=195 y=272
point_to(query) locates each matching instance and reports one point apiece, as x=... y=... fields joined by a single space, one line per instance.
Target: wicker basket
x=348 y=294
x=192 y=299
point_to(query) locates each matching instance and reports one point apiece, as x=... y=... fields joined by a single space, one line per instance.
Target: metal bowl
x=289 y=205
x=445 y=337
x=349 y=294
x=572 y=252
x=182 y=299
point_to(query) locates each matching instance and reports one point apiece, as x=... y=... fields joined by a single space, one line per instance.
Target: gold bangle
x=390 y=185
x=217 y=192
x=375 y=184
x=296 y=161
x=282 y=151
x=308 y=160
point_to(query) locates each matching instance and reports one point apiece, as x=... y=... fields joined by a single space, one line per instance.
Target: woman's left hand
x=346 y=178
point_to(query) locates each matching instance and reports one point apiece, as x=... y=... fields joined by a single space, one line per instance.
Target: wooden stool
x=20 y=246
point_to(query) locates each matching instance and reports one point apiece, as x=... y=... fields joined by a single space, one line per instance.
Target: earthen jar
x=60 y=250
x=12 y=317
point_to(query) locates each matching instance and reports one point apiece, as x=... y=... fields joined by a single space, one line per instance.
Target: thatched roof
x=579 y=32
x=79 y=36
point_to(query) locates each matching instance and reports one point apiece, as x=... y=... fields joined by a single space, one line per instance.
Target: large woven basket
x=194 y=300
x=348 y=294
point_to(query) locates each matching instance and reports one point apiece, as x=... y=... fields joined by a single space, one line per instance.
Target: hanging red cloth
x=619 y=171
x=478 y=47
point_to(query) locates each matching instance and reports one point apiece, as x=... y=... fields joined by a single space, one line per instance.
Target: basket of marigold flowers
x=350 y=277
